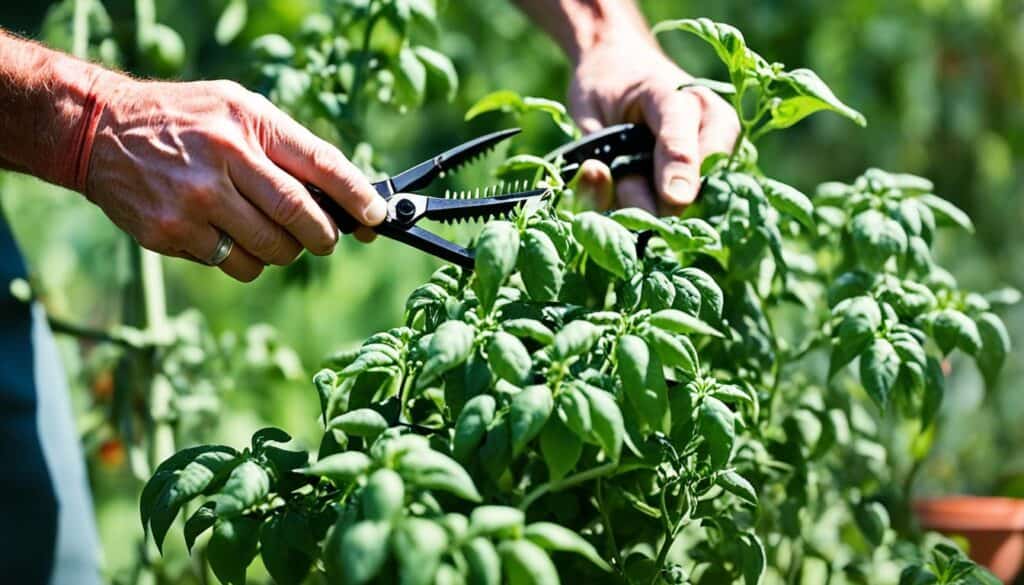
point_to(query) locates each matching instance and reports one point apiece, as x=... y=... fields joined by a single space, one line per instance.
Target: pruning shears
x=626 y=149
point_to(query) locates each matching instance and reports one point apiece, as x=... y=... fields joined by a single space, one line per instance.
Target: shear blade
x=424 y=173
x=451 y=210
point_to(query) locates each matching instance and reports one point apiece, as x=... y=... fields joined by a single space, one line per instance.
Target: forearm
x=47 y=101
x=580 y=25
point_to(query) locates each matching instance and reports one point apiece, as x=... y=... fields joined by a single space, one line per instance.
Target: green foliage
x=640 y=401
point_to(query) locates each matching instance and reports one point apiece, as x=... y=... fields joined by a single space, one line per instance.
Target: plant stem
x=113 y=336
x=355 y=92
x=606 y=521
x=567 y=482
x=666 y=546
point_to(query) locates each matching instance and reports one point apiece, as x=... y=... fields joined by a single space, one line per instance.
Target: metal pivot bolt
x=405 y=210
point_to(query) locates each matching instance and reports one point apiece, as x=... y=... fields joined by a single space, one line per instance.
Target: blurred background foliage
x=940 y=82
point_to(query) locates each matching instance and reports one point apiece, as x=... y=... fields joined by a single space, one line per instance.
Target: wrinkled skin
x=173 y=163
x=630 y=80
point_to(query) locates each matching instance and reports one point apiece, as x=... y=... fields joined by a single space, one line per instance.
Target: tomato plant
x=593 y=405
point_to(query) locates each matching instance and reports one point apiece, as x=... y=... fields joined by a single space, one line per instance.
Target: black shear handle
x=627 y=149
x=343 y=219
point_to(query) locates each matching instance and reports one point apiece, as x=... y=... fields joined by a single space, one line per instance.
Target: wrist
x=608 y=23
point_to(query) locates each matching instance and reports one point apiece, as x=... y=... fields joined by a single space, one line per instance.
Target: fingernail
x=376 y=211
x=680 y=190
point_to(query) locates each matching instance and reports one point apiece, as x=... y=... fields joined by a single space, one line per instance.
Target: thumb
x=675 y=121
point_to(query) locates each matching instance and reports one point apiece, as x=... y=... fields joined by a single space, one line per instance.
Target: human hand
x=176 y=164
x=629 y=79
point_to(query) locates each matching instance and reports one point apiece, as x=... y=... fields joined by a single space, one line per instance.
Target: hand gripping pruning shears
x=626 y=149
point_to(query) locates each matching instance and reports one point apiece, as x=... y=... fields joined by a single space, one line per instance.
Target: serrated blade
x=502 y=188
x=424 y=173
x=456 y=210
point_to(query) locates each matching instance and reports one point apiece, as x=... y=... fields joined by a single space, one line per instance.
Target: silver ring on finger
x=222 y=250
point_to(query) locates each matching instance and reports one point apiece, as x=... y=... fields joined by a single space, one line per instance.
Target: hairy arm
x=621 y=75
x=44 y=96
x=580 y=25
x=176 y=164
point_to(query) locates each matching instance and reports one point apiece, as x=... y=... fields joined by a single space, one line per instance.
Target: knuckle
x=328 y=160
x=170 y=228
x=229 y=88
x=678 y=151
x=203 y=194
x=288 y=208
x=266 y=244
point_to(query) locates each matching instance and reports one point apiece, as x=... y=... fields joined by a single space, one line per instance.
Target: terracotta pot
x=993 y=527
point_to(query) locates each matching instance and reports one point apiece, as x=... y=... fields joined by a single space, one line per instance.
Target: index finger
x=311 y=159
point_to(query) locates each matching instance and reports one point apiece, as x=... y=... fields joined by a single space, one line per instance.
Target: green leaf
x=804 y=93
x=341 y=468
x=272 y=47
x=638 y=220
x=440 y=68
x=550 y=536
x=789 y=201
x=287 y=564
x=556 y=110
x=934 y=391
x=364 y=550
x=432 y=470
x=575 y=339
x=952 y=329
x=995 y=346
x=540 y=266
x=472 y=424
x=738 y=486
x=674 y=350
x=526 y=563
x=383 y=496
x=199 y=522
x=877 y=238
x=753 y=561
x=1004 y=297
x=410 y=77
x=418 y=544
x=726 y=40
x=608 y=426
x=232 y=547
x=363 y=422
x=873 y=520
x=574 y=411
x=484 y=564
x=496 y=521
x=450 y=345
x=247 y=485
x=609 y=245
x=860 y=318
x=712 y=298
x=658 y=291
x=679 y=322
x=231 y=21
x=947 y=214
x=717 y=425
x=531 y=328
x=560 y=447
x=879 y=368
x=158 y=484
x=504 y=100
x=530 y=409
x=496 y=252
x=529 y=162
x=642 y=380
x=508 y=358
